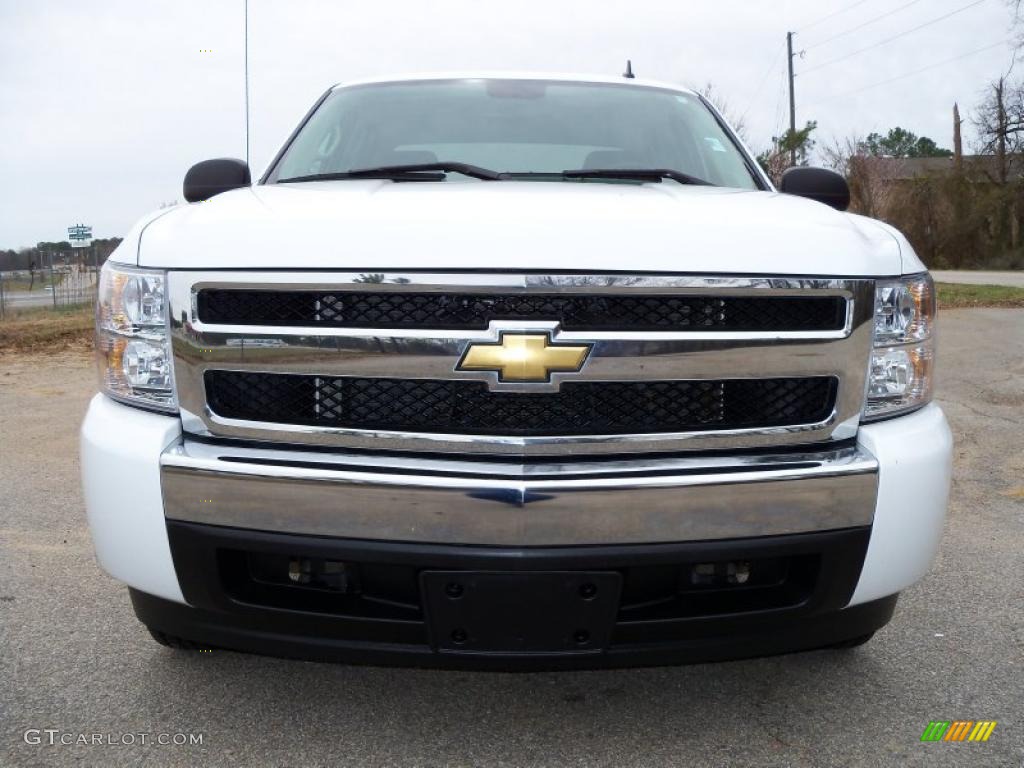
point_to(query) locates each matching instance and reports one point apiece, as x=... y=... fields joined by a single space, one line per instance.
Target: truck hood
x=379 y=225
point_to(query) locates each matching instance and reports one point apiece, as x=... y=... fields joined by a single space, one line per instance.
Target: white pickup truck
x=514 y=371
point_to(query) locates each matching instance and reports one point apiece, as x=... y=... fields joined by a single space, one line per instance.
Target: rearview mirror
x=211 y=177
x=826 y=187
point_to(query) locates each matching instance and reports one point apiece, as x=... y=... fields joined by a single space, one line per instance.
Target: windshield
x=515 y=126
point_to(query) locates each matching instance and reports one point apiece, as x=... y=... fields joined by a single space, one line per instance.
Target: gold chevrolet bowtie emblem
x=523 y=357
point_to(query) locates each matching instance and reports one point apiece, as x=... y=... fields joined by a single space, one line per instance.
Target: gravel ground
x=73 y=657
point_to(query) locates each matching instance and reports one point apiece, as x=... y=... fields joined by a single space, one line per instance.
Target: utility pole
x=53 y=285
x=792 y=101
x=958 y=146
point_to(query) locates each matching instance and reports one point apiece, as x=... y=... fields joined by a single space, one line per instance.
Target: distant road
x=969 y=277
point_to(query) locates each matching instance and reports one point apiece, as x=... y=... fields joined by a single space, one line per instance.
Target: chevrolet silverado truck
x=514 y=371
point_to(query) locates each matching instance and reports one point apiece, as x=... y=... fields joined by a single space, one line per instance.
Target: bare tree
x=1017 y=8
x=870 y=191
x=999 y=122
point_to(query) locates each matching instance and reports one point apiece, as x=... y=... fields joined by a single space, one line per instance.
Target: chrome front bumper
x=492 y=503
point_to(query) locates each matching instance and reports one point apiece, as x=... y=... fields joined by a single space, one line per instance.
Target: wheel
x=853 y=642
x=179 y=643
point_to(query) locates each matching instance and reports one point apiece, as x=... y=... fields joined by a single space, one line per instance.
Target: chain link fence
x=62 y=280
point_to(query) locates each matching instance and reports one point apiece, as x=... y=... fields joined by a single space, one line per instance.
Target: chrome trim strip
x=198 y=454
x=524 y=446
x=429 y=353
x=403 y=499
x=255 y=334
x=520 y=282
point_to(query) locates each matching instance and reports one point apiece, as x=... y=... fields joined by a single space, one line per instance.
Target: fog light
x=323 y=574
x=702 y=573
x=737 y=573
x=720 y=574
x=300 y=571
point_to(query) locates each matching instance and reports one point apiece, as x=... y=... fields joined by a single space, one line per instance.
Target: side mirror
x=211 y=177
x=826 y=187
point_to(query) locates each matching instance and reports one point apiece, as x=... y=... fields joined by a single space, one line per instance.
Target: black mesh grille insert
x=360 y=309
x=468 y=407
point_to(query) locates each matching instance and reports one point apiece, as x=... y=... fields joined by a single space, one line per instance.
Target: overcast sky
x=105 y=104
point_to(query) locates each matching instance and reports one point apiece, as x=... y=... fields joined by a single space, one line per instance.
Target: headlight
x=133 y=348
x=901 y=372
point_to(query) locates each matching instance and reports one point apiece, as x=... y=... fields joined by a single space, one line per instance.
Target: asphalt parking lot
x=73 y=657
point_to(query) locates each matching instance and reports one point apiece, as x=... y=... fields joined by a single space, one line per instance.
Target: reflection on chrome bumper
x=500 y=504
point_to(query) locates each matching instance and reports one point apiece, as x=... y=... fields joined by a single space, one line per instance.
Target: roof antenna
x=246 y=16
x=628 y=74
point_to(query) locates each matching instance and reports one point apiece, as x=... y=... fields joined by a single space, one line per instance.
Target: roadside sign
x=80 y=235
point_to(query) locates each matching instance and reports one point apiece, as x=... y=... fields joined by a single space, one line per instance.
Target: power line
x=779 y=108
x=792 y=96
x=908 y=74
x=831 y=15
x=764 y=79
x=891 y=39
x=861 y=26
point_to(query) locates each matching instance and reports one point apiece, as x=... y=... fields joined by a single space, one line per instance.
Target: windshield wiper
x=639 y=174
x=416 y=172
x=437 y=172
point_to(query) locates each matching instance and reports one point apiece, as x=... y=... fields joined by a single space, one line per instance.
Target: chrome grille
x=650 y=382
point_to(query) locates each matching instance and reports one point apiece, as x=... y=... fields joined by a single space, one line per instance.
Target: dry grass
x=45 y=329
x=955 y=296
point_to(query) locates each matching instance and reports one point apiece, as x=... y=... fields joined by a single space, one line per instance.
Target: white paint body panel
x=121 y=449
x=915 y=464
x=380 y=225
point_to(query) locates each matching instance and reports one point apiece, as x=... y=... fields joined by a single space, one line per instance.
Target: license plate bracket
x=535 y=612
